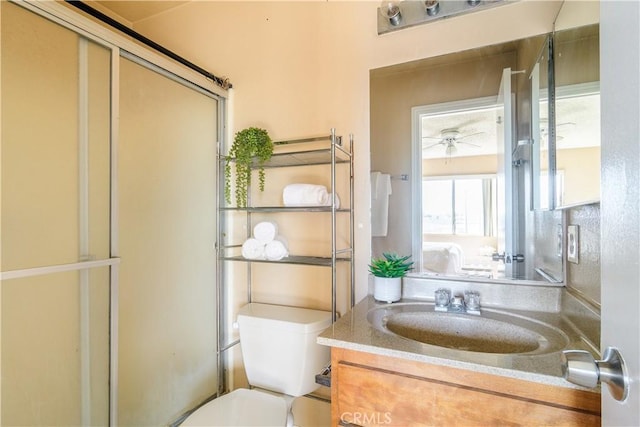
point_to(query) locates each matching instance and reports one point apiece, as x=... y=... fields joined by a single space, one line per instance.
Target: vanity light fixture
x=396 y=15
x=391 y=11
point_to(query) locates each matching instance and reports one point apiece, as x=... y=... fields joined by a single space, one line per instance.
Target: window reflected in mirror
x=459 y=223
x=459 y=205
x=459 y=191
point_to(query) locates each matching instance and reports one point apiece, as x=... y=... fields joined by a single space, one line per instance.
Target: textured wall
x=546 y=226
x=584 y=277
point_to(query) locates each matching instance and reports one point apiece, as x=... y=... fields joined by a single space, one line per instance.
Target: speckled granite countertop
x=354 y=332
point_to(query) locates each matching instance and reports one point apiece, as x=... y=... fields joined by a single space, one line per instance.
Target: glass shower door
x=108 y=226
x=167 y=229
x=55 y=224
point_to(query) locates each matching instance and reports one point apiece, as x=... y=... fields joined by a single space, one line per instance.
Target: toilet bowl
x=280 y=355
x=242 y=407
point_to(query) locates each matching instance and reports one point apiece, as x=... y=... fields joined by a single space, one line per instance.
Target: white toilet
x=281 y=355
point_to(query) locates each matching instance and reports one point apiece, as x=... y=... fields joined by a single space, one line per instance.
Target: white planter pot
x=387 y=289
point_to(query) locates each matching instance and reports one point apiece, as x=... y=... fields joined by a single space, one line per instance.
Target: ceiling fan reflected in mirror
x=561 y=130
x=449 y=139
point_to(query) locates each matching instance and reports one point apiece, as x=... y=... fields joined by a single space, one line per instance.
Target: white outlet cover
x=573 y=244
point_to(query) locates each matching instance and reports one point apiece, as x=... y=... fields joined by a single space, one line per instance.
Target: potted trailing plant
x=388 y=273
x=248 y=144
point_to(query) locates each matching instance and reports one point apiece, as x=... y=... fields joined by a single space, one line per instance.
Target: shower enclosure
x=108 y=213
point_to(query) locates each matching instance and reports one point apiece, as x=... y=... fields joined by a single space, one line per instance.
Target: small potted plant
x=248 y=144
x=388 y=273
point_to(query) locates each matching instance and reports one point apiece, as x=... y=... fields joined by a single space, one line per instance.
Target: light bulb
x=391 y=11
x=451 y=150
x=432 y=7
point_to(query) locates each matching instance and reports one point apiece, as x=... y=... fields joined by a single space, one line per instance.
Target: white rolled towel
x=305 y=195
x=276 y=249
x=253 y=249
x=265 y=231
x=337 y=201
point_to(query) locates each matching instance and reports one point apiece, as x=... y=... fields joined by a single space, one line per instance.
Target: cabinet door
x=369 y=396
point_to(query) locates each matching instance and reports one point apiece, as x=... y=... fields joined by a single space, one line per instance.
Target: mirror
x=577 y=115
x=566 y=132
x=455 y=96
x=542 y=130
x=471 y=75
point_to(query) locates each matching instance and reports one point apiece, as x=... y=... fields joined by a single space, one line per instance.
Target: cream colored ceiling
x=137 y=10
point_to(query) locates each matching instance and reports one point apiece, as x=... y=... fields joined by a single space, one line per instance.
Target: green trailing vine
x=248 y=144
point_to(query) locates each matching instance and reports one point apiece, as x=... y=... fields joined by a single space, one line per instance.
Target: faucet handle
x=472 y=300
x=442 y=298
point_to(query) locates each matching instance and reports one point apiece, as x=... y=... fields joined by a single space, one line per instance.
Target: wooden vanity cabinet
x=369 y=389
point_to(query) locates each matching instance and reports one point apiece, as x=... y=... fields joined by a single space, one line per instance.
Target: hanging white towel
x=375 y=179
x=380 y=204
x=265 y=231
x=305 y=195
x=276 y=249
x=253 y=249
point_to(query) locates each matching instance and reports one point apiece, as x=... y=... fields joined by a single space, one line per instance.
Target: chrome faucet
x=469 y=303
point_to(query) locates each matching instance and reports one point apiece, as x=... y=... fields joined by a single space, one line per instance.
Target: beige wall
x=581 y=167
x=299 y=68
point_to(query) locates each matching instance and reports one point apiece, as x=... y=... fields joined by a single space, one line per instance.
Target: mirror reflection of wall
x=395 y=90
x=573 y=130
x=541 y=130
x=576 y=75
x=577 y=110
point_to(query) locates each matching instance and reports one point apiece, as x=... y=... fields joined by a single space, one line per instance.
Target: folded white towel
x=253 y=249
x=305 y=195
x=265 y=231
x=276 y=249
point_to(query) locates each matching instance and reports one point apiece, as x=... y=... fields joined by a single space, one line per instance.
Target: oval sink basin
x=494 y=331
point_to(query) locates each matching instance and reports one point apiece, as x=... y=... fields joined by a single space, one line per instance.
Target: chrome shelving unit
x=291 y=153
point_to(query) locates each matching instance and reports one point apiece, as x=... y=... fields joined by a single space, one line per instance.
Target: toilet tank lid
x=284 y=317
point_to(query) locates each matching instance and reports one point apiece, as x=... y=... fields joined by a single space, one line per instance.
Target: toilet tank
x=279 y=346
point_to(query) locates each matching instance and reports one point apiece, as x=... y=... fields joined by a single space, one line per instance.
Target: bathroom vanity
x=382 y=378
